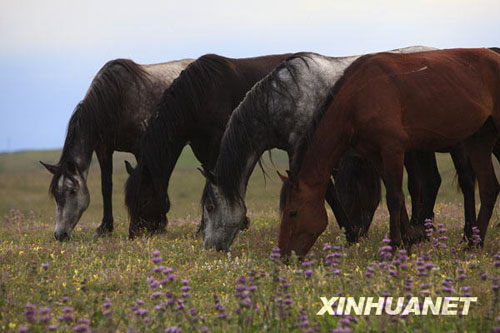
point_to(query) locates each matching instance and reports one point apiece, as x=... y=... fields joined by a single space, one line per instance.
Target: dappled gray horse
x=112 y=116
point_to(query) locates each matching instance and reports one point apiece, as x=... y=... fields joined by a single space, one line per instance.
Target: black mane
x=496 y=49
x=93 y=118
x=236 y=144
x=180 y=105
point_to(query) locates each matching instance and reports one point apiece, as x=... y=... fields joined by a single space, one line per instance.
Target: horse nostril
x=61 y=236
x=220 y=248
x=246 y=224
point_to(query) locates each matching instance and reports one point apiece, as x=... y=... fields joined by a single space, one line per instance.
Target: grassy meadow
x=170 y=283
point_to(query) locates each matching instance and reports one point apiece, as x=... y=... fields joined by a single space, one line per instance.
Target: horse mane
x=236 y=140
x=180 y=105
x=305 y=140
x=272 y=83
x=495 y=49
x=94 y=117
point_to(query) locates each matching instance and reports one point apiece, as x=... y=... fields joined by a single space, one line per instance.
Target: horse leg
x=105 y=158
x=392 y=174
x=370 y=192
x=424 y=181
x=432 y=182
x=414 y=186
x=466 y=181
x=479 y=148
x=496 y=152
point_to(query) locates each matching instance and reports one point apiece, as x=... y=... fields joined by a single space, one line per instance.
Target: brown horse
x=384 y=106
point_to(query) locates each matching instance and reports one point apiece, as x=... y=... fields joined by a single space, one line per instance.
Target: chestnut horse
x=384 y=106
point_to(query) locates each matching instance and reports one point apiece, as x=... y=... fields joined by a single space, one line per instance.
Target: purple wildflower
x=156 y=294
x=81 y=328
x=156 y=260
x=52 y=327
x=44 y=310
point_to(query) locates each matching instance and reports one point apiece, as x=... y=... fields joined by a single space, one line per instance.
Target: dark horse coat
x=193 y=110
x=113 y=115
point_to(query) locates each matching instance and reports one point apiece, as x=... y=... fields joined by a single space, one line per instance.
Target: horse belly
x=439 y=126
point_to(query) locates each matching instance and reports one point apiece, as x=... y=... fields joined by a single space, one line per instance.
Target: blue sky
x=50 y=50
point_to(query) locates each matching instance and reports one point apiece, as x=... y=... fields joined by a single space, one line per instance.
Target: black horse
x=358 y=184
x=193 y=110
x=112 y=116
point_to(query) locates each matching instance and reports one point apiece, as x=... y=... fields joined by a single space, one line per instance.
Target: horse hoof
x=102 y=232
x=159 y=231
x=416 y=235
x=395 y=246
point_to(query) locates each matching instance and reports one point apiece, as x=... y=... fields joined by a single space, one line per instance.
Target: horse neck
x=327 y=145
x=244 y=142
x=79 y=151
x=175 y=150
x=161 y=158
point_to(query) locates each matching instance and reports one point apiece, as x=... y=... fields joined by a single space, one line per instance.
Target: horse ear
x=129 y=167
x=51 y=168
x=207 y=174
x=282 y=177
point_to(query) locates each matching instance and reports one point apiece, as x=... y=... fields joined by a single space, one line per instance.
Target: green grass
x=87 y=271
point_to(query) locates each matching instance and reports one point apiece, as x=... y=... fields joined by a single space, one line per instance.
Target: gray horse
x=113 y=115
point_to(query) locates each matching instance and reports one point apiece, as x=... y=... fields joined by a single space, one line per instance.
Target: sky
x=50 y=50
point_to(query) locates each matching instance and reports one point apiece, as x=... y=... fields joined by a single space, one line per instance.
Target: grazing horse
x=384 y=106
x=275 y=114
x=113 y=115
x=355 y=179
x=193 y=110
x=355 y=176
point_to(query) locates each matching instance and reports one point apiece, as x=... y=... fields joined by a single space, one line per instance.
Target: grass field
x=112 y=285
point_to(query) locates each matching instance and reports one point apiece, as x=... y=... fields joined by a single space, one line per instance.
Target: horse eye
x=210 y=208
x=72 y=191
x=293 y=213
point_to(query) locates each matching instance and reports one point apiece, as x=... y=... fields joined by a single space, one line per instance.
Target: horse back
x=426 y=99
